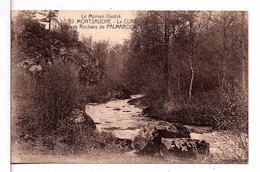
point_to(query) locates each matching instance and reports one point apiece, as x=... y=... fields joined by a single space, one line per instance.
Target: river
x=125 y=121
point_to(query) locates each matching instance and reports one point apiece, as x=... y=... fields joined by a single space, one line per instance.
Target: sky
x=79 y=19
x=113 y=35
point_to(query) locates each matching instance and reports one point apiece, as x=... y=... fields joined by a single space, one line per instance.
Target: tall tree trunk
x=224 y=55
x=244 y=65
x=224 y=68
x=192 y=77
x=219 y=81
x=178 y=79
x=166 y=55
x=191 y=57
x=244 y=75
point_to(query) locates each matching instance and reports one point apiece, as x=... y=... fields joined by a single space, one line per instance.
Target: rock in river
x=168 y=139
x=138 y=102
x=185 y=147
x=149 y=137
x=171 y=130
x=121 y=93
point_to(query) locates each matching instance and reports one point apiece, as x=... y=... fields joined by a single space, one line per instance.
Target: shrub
x=222 y=110
x=231 y=113
x=43 y=105
x=100 y=93
x=42 y=101
x=25 y=110
x=55 y=92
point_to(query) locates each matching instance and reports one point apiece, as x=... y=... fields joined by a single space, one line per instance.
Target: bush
x=100 y=93
x=42 y=101
x=43 y=104
x=55 y=92
x=25 y=110
x=222 y=110
x=231 y=113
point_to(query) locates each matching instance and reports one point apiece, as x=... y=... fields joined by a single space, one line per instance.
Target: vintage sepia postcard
x=129 y=87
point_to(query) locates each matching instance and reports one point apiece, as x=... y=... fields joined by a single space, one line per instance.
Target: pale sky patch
x=112 y=35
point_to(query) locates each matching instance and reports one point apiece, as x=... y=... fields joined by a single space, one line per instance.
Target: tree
x=220 y=24
x=190 y=19
x=147 y=55
x=243 y=42
x=49 y=16
x=100 y=52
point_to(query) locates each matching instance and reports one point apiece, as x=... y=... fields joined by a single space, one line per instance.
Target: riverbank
x=118 y=119
x=125 y=121
x=228 y=154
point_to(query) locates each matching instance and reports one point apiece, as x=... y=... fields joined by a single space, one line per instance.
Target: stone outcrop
x=119 y=93
x=168 y=138
x=147 y=111
x=122 y=94
x=149 y=137
x=138 y=102
x=185 y=147
x=170 y=130
x=90 y=75
x=134 y=101
x=35 y=68
x=147 y=141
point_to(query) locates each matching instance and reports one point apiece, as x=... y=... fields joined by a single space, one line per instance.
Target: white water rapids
x=125 y=121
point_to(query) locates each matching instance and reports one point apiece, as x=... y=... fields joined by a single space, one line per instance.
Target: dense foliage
x=54 y=72
x=192 y=65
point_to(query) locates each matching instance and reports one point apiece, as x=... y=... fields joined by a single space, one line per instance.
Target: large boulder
x=138 y=102
x=185 y=147
x=147 y=141
x=121 y=95
x=35 y=68
x=134 y=101
x=149 y=137
x=171 y=130
x=147 y=111
x=121 y=92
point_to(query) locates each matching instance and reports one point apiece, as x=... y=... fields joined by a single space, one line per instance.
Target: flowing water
x=125 y=121
x=118 y=117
